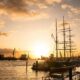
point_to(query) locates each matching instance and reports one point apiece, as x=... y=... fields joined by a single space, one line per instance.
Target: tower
x=14 y=53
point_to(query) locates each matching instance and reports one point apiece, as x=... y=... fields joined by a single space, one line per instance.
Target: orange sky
x=23 y=23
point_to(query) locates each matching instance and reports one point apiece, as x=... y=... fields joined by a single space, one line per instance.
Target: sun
x=40 y=49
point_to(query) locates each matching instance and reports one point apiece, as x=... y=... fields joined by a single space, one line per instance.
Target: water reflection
x=16 y=70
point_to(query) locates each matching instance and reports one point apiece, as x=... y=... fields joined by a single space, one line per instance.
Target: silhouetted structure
x=23 y=57
x=65 y=64
x=1 y=57
x=66 y=43
x=14 y=53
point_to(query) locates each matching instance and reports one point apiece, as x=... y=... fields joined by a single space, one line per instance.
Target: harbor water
x=16 y=70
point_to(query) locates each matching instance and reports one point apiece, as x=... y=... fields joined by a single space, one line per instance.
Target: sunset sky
x=26 y=24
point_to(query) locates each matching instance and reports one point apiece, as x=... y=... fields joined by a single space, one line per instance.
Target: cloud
x=2 y=24
x=29 y=8
x=2 y=51
x=13 y=6
x=75 y=3
x=53 y=1
x=42 y=15
x=41 y=6
x=72 y=9
x=9 y=52
x=3 y=34
x=33 y=16
x=23 y=7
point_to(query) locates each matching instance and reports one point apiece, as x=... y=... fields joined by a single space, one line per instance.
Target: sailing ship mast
x=67 y=44
x=64 y=38
x=70 y=41
x=56 y=41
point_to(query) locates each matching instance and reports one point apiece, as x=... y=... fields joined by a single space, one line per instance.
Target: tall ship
x=64 y=61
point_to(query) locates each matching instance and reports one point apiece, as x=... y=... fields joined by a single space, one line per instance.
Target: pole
x=14 y=53
x=62 y=76
x=27 y=61
x=56 y=41
x=64 y=37
x=70 y=73
x=70 y=40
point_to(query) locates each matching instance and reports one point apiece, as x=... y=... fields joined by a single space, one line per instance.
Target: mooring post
x=37 y=65
x=70 y=73
x=26 y=65
x=62 y=76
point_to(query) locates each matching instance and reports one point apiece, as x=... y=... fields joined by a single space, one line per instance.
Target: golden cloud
x=71 y=8
x=32 y=16
x=3 y=34
x=41 y=6
x=53 y=1
x=23 y=6
x=2 y=24
x=12 y=5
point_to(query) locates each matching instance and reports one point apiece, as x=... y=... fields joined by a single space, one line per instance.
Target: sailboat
x=61 y=64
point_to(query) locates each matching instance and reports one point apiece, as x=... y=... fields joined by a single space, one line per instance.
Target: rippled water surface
x=16 y=70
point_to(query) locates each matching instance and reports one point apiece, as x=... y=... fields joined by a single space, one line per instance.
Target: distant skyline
x=23 y=23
